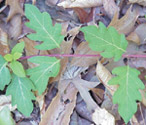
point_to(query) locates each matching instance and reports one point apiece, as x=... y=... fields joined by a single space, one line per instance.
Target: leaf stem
x=80 y=55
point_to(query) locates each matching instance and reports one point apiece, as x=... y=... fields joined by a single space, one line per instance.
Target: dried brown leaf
x=110 y=7
x=80 y=3
x=15 y=28
x=83 y=88
x=140 y=2
x=140 y=31
x=133 y=37
x=125 y=24
x=61 y=108
x=104 y=75
x=102 y=117
x=15 y=8
x=83 y=49
x=6 y=101
x=4 y=47
x=65 y=49
x=83 y=16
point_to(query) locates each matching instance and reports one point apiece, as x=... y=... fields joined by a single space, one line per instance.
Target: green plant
x=106 y=40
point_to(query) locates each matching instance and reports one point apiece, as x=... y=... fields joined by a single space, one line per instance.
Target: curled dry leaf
x=102 y=117
x=15 y=8
x=104 y=75
x=6 y=101
x=110 y=7
x=133 y=37
x=83 y=49
x=65 y=49
x=83 y=88
x=15 y=28
x=140 y=31
x=80 y=3
x=140 y=2
x=61 y=108
x=30 y=50
x=4 y=47
x=125 y=24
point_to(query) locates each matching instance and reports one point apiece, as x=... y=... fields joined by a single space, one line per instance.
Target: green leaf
x=5 y=76
x=128 y=92
x=17 y=68
x=49 y=67
x=106 y=40
x=41 y=23
x=16 y=56
x=18 y=48
x=5 y=117
x=20 y=89
x=8 y=57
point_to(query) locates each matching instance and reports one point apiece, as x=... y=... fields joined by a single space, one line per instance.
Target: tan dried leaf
x=133 y=37
x=102 y=117
x=30 y=50
x=6 y=101
x=15 y=8
x=83 y=88
x=65 y=49
x=125 y=24
x=104 y=76
x=140 y=31
x=140 y=2
x=80 y=3
x=15 y=28
x=61 y=108
x=4 y=47
x=83 y=49
x=110 y=7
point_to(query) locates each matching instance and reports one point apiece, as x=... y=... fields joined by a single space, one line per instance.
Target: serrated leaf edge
x=45 y=29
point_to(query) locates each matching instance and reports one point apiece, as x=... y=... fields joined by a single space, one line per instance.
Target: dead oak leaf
x=15 y=8
x=140 y=2
x=4 y=47
x=126 y=23
x=80 y=3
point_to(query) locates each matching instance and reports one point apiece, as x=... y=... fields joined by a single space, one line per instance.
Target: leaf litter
x=75 y=95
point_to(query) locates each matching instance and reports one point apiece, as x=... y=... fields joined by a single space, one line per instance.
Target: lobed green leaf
x=41 y=23
x=5 y=76
x=128 y=92
x=106 y=40
x=20 y=90
x=17 y=68
x=48 y=67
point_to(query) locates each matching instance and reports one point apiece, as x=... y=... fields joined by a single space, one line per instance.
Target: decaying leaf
x=83 y=88
x=61 y=108
x=140 y=31
x=80 y=3
x=83 y=49
x=140 y=2
x=15 y=8
x=15 y=28
x=126 y=23
x=6 y=101
x=110 y=7
x=133 y=37
x=4 y=47
x=65 y=49
x=30 y=50
x=102 y=117
x=104 y=75
x=83 y=16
